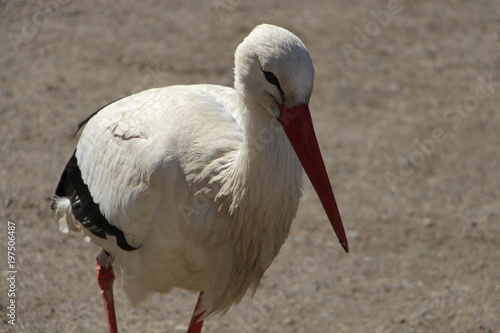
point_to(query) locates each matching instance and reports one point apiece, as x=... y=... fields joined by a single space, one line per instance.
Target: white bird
x=196 y=187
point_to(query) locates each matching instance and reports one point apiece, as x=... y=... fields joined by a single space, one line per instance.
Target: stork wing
x=138 y=156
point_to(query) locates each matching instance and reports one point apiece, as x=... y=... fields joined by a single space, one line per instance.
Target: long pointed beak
x=298 y=126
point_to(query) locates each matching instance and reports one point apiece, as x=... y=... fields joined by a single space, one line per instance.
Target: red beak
x=298 y=126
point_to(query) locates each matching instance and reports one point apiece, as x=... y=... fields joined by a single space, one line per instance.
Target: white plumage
x=202 y=180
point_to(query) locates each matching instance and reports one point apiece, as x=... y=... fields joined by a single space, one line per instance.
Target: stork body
x=196 y=187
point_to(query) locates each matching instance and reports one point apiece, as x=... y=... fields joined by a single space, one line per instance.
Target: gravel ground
x=406 y=110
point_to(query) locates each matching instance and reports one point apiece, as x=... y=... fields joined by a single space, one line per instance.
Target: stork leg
x=196 y=324
x=105 y=278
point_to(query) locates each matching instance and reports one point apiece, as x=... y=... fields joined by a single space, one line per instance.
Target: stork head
x=274 y=69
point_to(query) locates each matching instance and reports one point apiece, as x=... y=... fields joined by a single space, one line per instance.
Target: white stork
x=195 y=187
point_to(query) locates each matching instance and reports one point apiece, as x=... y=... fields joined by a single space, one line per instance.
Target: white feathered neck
x=261 y=186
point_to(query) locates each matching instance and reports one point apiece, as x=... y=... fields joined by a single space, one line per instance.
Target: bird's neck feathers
x=266 y=162
x=265 y=180
x=260 y=191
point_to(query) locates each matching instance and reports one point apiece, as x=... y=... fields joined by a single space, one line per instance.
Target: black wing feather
x=84 y=209
x=86 y=120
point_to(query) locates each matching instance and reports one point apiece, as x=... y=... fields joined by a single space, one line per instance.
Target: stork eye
x=271 y=78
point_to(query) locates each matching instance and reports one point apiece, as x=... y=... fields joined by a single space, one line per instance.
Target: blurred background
x=406 y=108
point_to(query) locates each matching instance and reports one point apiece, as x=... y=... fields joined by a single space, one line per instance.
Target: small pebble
x=353 y=234
x=180 y=328
x=429 y=223
x=399 y=320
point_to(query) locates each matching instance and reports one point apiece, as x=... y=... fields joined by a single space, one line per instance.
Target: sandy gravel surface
x=406 y=106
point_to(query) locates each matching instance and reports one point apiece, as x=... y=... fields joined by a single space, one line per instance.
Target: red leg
x=196 y=324
x=105 y=278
